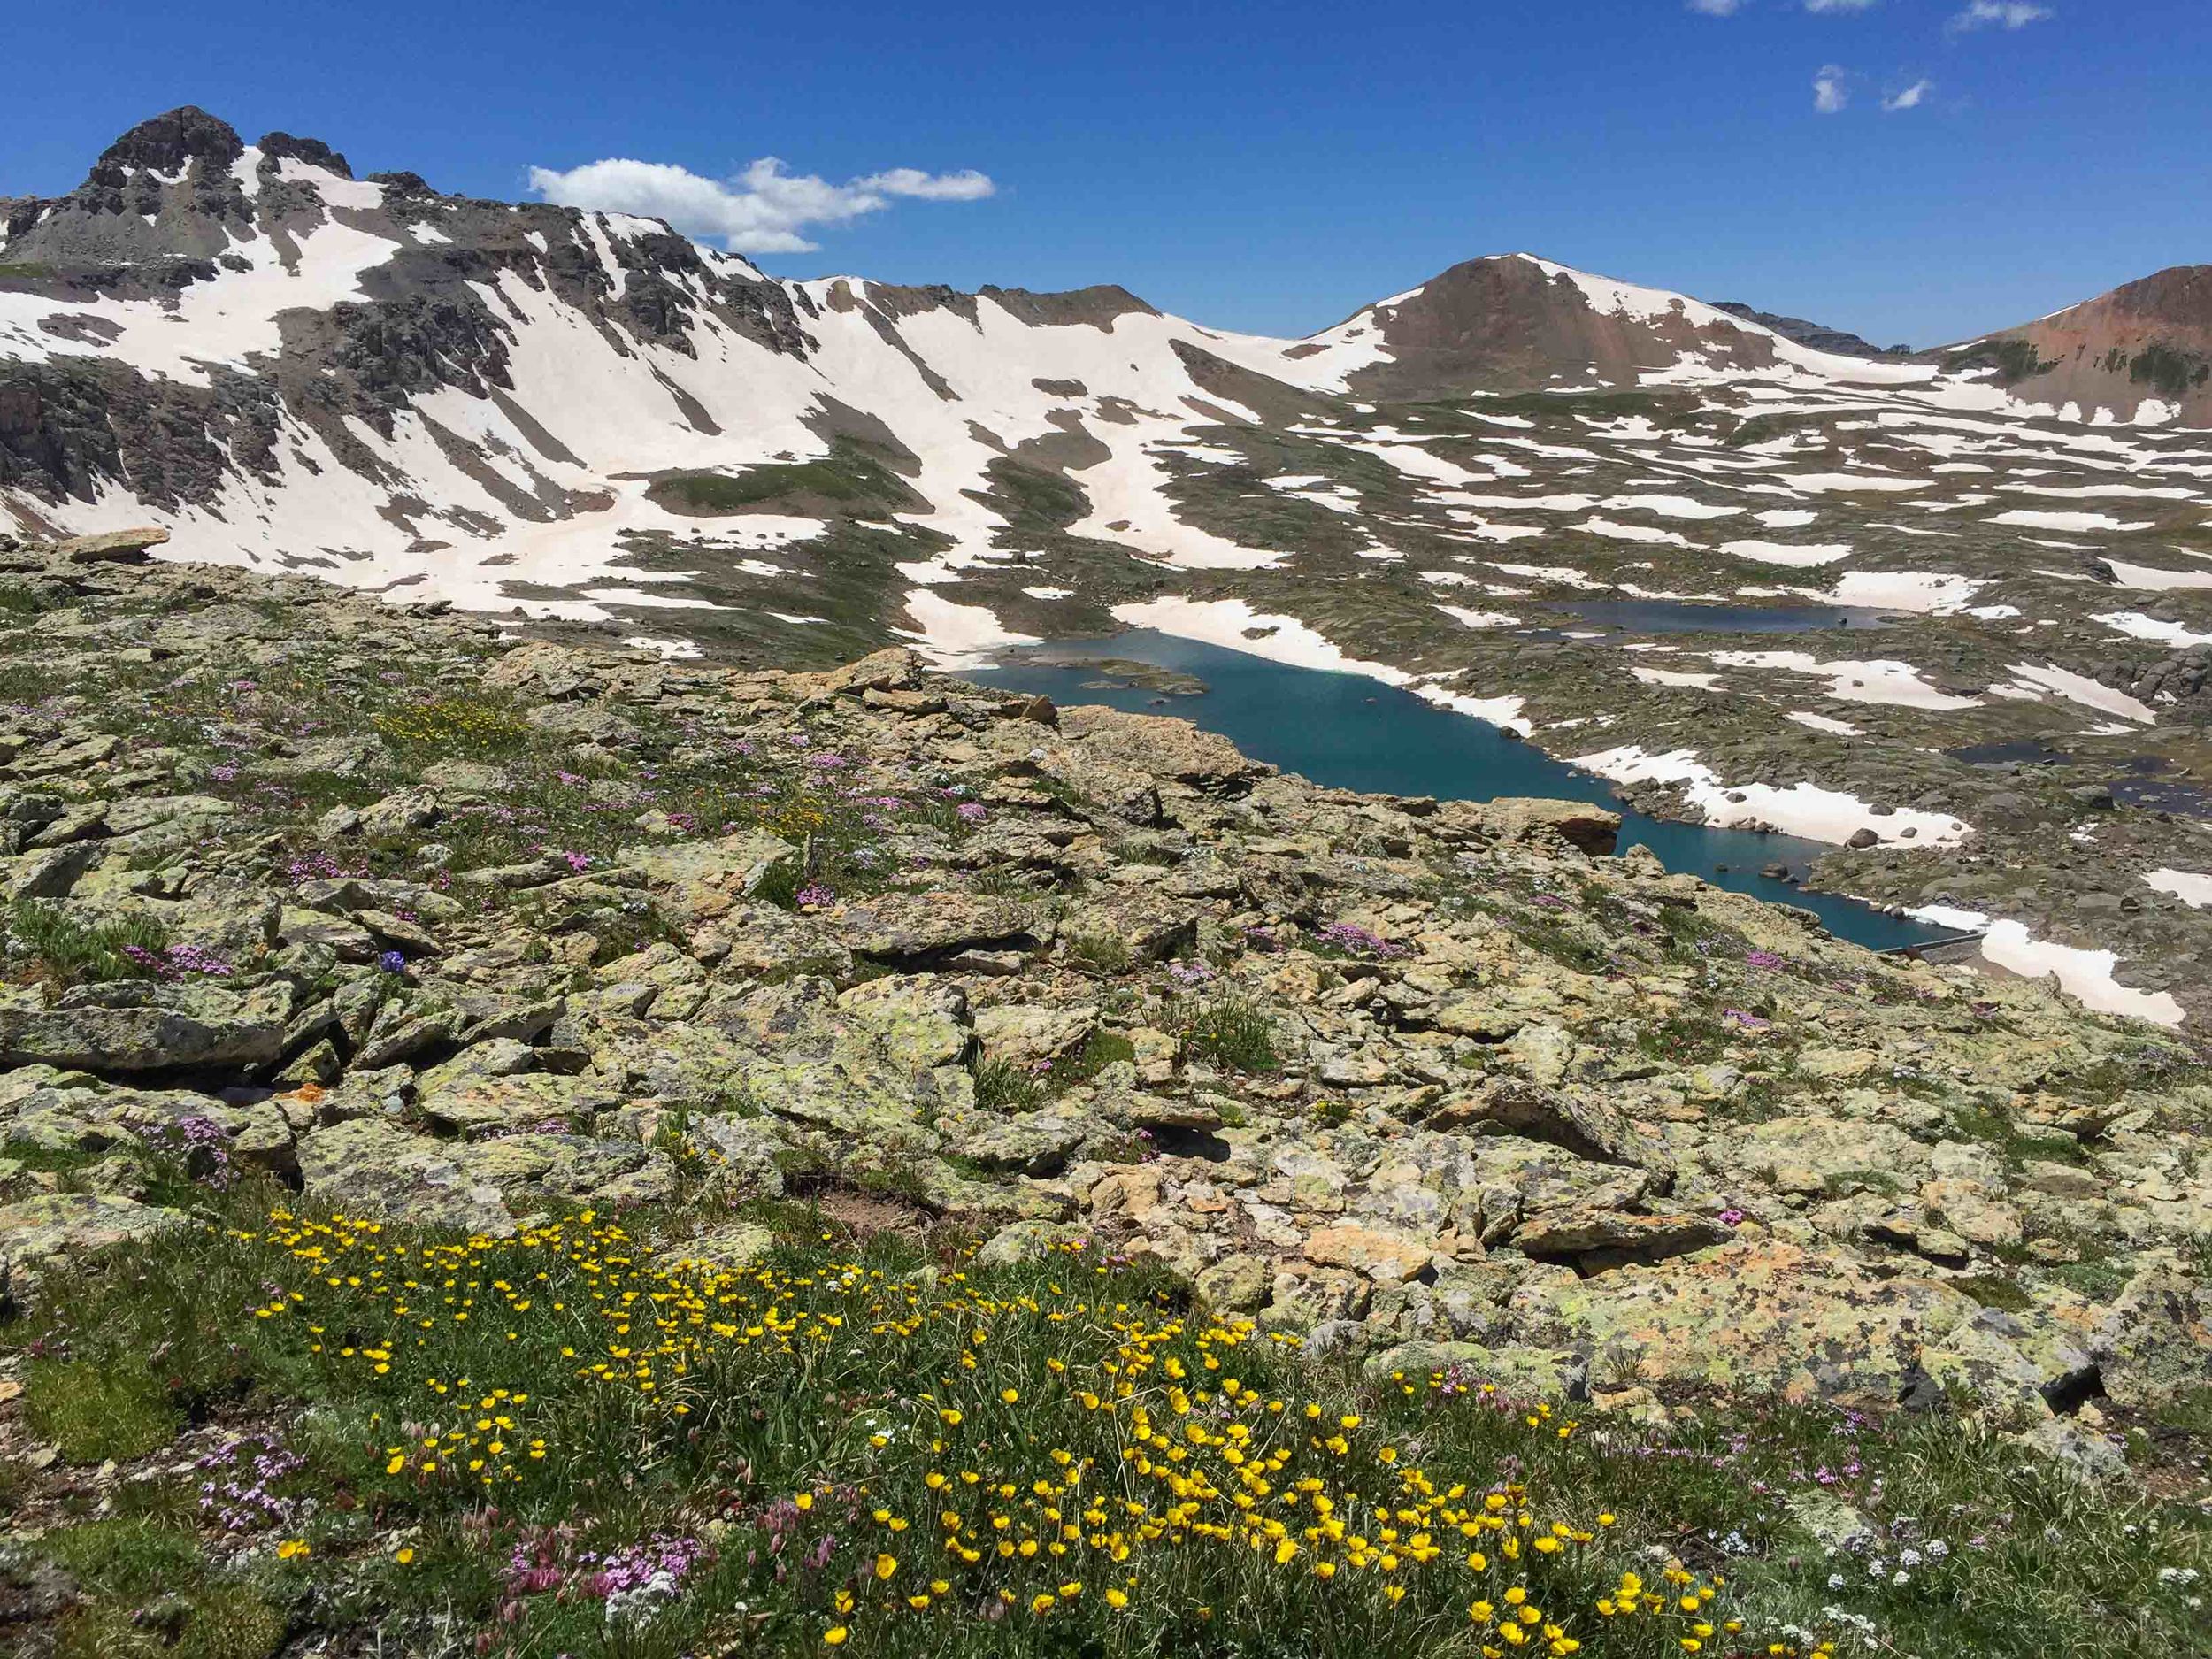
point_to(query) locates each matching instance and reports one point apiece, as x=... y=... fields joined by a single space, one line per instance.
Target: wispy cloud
x=2009 y=14
x=763 y=210
x=1716 y=8
x=1842 y=5
x=1830 y=92
x=1911 y=98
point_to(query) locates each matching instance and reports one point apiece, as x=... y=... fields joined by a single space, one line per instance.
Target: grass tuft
x=94 y=1412
x=1231 y=1031
x=47 y=943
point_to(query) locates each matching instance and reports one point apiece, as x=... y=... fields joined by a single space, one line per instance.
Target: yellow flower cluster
x=1045 y=1451
x=463 y=723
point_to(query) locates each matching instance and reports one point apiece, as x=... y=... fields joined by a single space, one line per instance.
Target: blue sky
x=1266 y=167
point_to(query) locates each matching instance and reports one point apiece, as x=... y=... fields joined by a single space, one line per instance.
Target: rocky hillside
x=1817 y=335
x=595 y=978
x=443 y=930
x=2147 y=346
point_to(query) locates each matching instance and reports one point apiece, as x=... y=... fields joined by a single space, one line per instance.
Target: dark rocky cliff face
x=165 y=208
x=1818 y=336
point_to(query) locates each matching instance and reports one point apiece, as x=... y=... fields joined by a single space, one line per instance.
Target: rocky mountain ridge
x=445 y=926
x=2149 y=341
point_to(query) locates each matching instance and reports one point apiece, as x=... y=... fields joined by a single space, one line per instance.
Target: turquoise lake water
x=1351 y=733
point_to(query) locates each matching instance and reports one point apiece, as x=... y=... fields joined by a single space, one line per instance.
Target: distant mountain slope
x=1817 y=335
x=284 y=363
x=1514 y=322
x=2146 y=343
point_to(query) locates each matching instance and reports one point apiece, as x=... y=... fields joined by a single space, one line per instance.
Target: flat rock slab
x=381 y=1169
x=899 y=926
x=61 y=1229
x=1162 y=747
x=699 y=882
x=207 y=1029
x=1754 y=1317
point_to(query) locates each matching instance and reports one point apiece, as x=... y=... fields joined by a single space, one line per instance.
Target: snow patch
x=2195 y=891
x=955 y=636
x=1803 y=808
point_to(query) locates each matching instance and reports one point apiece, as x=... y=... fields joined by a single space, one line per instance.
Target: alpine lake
x=1347 y=731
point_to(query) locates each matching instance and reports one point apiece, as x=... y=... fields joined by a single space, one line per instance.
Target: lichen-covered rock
x=1031 y=1035
x=2154 y=1346
x=1512 y=1371
x=134 y=1026
x=697 y=882
x=68 y=1229
x=1387 y=1257
x=371 y=1167
x=1764 y=1317
x=918 y=926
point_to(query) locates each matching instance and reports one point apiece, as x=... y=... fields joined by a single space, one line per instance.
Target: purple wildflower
x=173 y=962
x=1348 y=937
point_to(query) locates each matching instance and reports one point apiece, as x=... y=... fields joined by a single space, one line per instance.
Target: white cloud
x=1911 y=98
x=1716 y=8
x=2011 y=14
x=762 y=210
x=1840 y=5
x=1830 y=93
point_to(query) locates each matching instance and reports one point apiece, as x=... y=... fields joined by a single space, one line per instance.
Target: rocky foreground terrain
x=446 y=929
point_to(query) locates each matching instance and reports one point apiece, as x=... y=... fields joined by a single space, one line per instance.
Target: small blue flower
x=392 y=962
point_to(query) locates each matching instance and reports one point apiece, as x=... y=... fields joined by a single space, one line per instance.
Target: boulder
x=137 y=1026
x=1387 y=1257
x=1031 y=1035
x=1160 y=748
x=2154 y=1346
x=1596 y=1239
x=64 y=1229
x=377 y=1168
x=1513 y=1372
x=110 y=547
x=700 y=881
x=1754 y=1317
x=1593 y=829
x=915 y=928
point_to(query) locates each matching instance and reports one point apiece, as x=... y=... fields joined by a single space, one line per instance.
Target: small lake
x=1348 y=732
x=1682 y=615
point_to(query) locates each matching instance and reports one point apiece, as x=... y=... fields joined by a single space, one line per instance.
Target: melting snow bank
x=2084 y=975
x=2194 y=891
x=2082 y=689
x=1803 y=808
x=955 y=636
x=2135 y=625
x=1233 y=626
